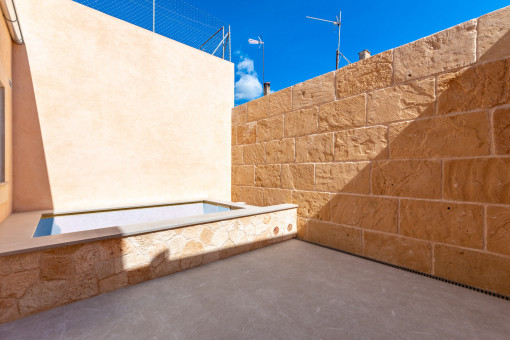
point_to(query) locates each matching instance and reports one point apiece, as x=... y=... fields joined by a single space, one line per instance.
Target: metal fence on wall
x=174 y=19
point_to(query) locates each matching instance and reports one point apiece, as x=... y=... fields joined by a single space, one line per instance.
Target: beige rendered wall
x=110 y=114
x=403 y=157
x=5 y=76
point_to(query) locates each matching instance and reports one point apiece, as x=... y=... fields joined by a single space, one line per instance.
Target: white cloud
x=248 y=86
x=245 y=66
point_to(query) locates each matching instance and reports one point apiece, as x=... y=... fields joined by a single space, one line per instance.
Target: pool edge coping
x=21 y=241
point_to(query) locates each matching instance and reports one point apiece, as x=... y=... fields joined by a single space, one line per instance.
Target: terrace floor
x=291 y=290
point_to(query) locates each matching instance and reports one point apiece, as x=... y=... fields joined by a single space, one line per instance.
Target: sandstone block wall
x=403 y=157
x=36 y=281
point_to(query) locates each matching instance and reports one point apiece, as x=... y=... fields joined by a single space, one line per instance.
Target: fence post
x=223 y=34
x=179 y=21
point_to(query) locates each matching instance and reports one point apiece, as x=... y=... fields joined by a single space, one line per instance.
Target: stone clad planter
x=35 y=281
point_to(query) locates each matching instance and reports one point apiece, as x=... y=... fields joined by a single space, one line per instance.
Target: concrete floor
x=292 y=290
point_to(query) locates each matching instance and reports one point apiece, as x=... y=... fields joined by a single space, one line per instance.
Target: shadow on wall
x=428 y=205
x=31 y=186
x=374 y=225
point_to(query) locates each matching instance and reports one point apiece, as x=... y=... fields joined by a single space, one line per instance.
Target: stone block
x=140 y=274
x=206 y=236
x=498 y=230
x=302 y=228
x=277 y=196
x=280 y=151
x=230 y=249
x=84 y=286
x=401 y=102
x=8 y=310
x=477 y=180
x=501 y=124
x=233 y=140
x=192 y=247
x=250 y=195
x=452 y=136
x=270 y=129
x=105 y=268
x=145 y=243
x=258 y=109
x=235 y=193
x=342 y=114
x=239 y=115
x=456 y=224
x=15 y=285
x=366 y=212
x=192 y=233
x=112 y=248
x=312 y=204
x=361 y=144
x=113 y=282
x=44 y=295
x=479 y=87
x=474 y=268
x=314 y=91
x=494 y=35
x=301 y=122
x=247 y=133
x=452 y=48
x=343 y=177
x=210 y=257
x=135 y=259
x=243 y=175
x=298 y=176
x=55 y=267
x=19 y=262
x=192 y=261
x=176 y=245
x=254 y=153
x=159 y=252
x=398 y=250
x=237 y=155
x=315 y=148
x=267 y=176
x=335 y=236
x=408 y=178
x=280 y=102
x=365 y=75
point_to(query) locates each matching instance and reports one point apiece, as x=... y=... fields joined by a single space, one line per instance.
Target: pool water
x=69 y=223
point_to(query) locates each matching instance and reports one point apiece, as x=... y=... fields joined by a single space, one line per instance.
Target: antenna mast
x=337 y=23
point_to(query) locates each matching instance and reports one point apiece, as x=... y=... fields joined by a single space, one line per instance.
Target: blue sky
x=298 y=49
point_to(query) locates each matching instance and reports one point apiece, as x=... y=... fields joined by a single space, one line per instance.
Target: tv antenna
x=259 y=42
x=338 y=23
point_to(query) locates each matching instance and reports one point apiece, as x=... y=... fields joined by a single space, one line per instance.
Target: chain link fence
x=175 y=19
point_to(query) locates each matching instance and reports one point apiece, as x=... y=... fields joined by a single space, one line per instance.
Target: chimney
x=364 y=54
x=267 y=88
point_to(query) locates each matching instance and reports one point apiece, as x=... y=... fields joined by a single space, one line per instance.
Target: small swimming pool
x=54 y=224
